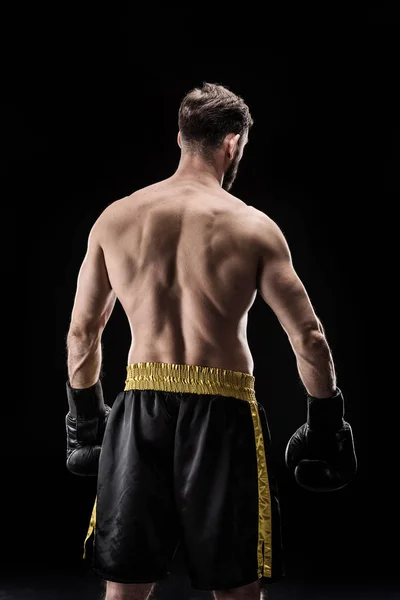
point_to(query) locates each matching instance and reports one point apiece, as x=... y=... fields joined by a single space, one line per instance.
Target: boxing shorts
x=187 y=459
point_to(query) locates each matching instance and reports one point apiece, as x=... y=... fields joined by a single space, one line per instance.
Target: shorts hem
x=133 y=579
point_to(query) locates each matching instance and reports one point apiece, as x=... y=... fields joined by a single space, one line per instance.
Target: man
x=186 y=454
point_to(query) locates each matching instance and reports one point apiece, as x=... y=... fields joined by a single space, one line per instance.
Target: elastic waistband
x=190 y=378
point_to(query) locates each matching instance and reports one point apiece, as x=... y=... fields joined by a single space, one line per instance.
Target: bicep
x=282 y=289
x=95 y=298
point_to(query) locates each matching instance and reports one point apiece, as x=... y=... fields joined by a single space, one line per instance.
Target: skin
x=183 y=257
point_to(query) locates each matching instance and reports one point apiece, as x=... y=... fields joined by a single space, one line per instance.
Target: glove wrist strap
x=325 y=413
x=86 y=403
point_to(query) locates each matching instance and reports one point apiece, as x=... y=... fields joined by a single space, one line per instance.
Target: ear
x=179 y=140
x=232 y=145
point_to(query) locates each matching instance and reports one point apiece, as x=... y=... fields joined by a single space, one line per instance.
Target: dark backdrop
x=322 y=162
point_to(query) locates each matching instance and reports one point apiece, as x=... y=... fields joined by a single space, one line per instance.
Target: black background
x=87 y=119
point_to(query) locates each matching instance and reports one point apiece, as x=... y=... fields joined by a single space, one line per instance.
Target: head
x=213 y=121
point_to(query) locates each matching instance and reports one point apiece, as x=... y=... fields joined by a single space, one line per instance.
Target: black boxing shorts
x=187 y=459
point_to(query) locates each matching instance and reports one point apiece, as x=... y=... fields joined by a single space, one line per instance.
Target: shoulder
x=243 y=213
x=267 y=232
x=119 y=209
x=114 y=216
x=106 y=220
x=262 y=225
x=262 y=230
x=261 y=219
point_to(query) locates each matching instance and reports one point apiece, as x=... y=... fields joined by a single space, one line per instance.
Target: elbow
x=84 y=332
x=311 y=342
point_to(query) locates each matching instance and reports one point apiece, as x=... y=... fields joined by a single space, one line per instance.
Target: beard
x=230 y=174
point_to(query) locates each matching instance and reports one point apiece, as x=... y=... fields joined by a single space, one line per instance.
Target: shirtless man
x=185 y=455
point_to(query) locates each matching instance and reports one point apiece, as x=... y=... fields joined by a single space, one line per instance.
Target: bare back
x=182 y=261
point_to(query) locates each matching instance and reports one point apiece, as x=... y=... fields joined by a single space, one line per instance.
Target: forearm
x=84 y=358
x=315 y=365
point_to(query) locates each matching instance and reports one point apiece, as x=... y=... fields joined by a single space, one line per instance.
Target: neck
x=194 y=167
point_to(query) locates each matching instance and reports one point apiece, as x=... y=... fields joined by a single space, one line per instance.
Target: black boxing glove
x=321 y=452
x=85 y=423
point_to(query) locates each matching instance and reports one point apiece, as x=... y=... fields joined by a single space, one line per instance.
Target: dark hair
x=208 y=114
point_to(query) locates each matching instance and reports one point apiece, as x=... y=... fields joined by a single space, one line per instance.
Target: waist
x=193 y=379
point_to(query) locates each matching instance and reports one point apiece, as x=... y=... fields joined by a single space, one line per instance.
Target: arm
x=94 y=303
x=282 y=290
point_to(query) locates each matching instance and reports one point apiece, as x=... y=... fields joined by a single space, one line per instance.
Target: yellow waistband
x=190 y=378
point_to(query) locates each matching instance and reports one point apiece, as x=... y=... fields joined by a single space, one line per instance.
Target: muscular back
x=182 y=260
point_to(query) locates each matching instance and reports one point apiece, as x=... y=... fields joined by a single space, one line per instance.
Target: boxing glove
x=321 y=452
x=85 y=424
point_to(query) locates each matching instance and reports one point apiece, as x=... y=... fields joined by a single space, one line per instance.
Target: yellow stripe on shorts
x=264 y=547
